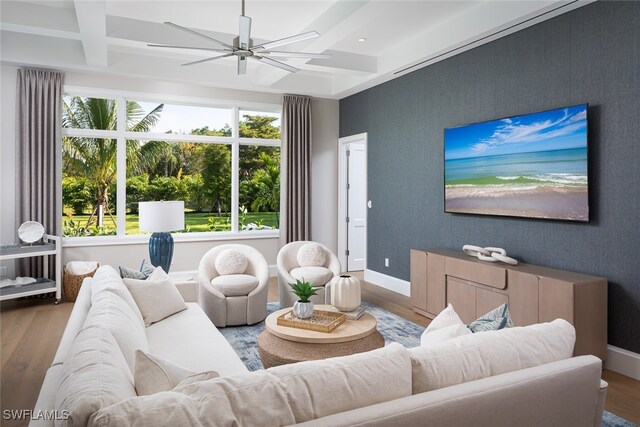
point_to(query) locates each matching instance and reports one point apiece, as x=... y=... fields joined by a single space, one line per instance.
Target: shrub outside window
x=223 y=162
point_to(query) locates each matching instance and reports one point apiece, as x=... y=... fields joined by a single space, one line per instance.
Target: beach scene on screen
x=533 y=165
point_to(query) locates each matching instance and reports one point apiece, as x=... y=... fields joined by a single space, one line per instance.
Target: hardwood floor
x=30 y=331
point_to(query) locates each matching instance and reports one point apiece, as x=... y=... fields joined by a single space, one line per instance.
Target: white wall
x=324 y=172
x=186 y=254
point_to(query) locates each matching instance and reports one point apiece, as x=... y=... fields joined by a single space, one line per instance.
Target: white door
x=356 y=205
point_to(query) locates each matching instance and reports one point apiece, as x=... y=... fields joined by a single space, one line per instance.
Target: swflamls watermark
x=30 y=414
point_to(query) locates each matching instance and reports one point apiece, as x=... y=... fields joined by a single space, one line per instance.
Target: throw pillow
x=130 y=273
x=476 y=356
x=230 y=261
x=443 y=327
x=158 y=274
x=494 y=320
x=94 y=376
x=154 y=374
x=146 y=268
x=257 y=399
x=155 y=299
x=311 y=255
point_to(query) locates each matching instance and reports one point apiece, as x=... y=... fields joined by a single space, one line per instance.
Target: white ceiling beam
x=92 y=23
x=29 y=18
x=333 y=25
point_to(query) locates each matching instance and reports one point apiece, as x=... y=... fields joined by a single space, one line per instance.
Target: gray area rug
x=244 y=340
x=611 y=420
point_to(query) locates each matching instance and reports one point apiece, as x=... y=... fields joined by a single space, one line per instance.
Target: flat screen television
x=533 y=166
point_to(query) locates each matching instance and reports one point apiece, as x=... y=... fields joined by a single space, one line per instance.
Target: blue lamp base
x=161 y=250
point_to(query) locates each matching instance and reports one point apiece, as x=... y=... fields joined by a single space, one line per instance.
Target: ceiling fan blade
x=242 y=65
x=275 y=63
x=245 y=32
x=195 y=33
x=208 y=59
x=278 y=54
x=288 y=40
x=210 y=49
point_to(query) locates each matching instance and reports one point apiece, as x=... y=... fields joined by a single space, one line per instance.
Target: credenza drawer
x=487 y=274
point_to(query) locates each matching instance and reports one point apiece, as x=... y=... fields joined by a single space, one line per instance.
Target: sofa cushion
x=443 y=327
x=154 y=374
x=230 y=261
x=110 y=312
x=317 y=276
x=95 y=376
x=475 y=356
x=494 y=320
x=311 y=255
x=107 y=279
x=257 y=399
x=156 y=299
x=234 y=285
x=323 y=387
x=191 y=329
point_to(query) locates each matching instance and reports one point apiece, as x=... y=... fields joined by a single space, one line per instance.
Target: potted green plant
x=303 y=308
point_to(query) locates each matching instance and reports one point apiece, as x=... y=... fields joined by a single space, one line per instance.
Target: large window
x=223 y=162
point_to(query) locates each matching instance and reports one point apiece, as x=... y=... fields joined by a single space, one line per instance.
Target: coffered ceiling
x=111 y=36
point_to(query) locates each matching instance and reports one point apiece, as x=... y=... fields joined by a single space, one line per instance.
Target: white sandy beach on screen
x=560 y=202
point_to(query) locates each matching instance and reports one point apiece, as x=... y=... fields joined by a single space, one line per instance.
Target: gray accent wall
x=590 y=55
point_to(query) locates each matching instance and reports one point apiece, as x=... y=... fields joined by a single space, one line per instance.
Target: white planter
x=345 y=292
x=303 y=310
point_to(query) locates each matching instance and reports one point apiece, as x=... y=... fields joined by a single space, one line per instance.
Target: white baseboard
x=623 y=361
x=273 y=270
x=388 y=282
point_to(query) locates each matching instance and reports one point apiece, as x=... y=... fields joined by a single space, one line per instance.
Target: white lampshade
x=157 y=217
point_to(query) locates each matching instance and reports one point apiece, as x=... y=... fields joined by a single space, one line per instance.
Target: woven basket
x=72 y=283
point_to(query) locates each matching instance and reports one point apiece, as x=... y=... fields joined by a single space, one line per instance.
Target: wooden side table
x=279 y=345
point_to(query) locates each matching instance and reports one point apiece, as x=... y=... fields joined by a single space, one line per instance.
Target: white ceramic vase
x=303 y=310
x=345 y=292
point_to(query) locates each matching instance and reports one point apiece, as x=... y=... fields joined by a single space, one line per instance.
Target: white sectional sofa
x=503 y=384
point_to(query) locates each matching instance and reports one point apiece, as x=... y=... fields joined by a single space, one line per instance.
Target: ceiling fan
x=243 y=47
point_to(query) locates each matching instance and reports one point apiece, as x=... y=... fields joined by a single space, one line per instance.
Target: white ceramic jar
x=345 y=292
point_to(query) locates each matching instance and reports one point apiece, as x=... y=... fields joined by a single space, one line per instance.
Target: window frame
x=121 y=134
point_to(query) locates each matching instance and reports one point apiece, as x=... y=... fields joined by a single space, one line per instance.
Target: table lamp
x=160 y=218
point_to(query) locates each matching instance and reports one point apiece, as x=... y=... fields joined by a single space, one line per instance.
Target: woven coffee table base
x=276 y=351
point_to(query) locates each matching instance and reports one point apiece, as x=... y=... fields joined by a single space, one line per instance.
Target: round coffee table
x=279 y=345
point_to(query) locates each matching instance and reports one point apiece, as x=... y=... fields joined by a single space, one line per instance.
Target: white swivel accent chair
x=306 y=260
x=234 y=283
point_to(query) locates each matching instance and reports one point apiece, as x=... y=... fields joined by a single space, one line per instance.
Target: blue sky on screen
x=559 y=129
x=183 y=119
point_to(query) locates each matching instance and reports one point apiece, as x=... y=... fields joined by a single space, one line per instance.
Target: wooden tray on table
x=321 y=321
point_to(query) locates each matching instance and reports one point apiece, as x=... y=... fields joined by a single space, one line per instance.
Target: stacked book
x=355 y=314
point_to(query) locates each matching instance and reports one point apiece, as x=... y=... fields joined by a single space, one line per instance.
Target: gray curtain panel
x=39 y=152
x=295 y=176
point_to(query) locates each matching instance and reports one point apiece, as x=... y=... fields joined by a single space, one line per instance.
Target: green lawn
x=194 y=222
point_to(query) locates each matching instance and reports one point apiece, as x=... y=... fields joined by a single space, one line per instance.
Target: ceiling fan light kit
x=243 y=48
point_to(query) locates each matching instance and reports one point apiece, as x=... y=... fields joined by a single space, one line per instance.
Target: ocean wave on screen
x=550 y=179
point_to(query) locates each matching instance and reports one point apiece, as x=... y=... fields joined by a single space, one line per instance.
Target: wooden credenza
x=535 y=294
